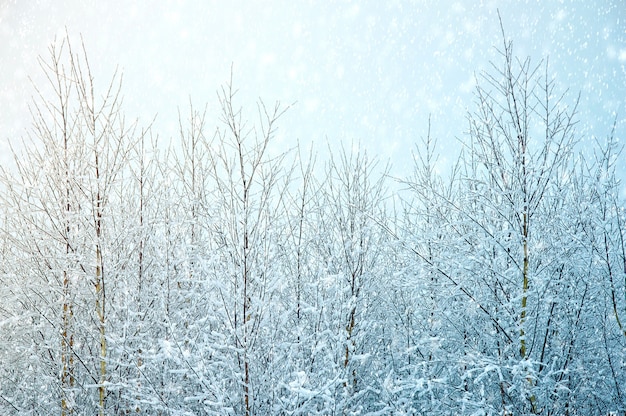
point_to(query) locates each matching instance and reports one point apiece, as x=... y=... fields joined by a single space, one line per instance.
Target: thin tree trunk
x=100 y=303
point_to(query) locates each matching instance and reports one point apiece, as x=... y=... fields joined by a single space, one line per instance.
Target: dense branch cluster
x=220 y=276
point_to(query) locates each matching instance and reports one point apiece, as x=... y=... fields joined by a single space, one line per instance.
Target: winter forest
x=223 y=274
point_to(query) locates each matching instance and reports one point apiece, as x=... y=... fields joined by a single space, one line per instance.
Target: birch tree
x=351 y=249
x=67 y=181
x=508 y=255
x=249 y=186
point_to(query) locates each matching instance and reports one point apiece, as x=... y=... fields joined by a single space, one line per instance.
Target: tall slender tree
x=249 y=187
x=66 y=183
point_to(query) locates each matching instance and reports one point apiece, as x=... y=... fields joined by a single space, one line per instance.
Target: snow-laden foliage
x=222 y=276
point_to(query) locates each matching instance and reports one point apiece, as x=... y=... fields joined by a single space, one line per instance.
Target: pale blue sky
x=371 y=71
